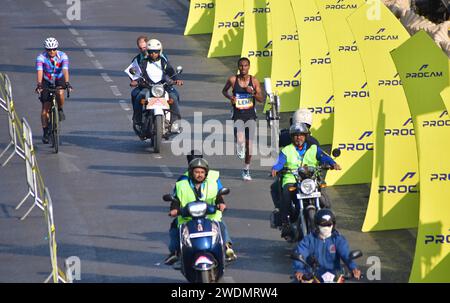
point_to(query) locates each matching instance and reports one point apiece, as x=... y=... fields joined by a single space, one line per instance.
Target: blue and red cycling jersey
x=52 y=67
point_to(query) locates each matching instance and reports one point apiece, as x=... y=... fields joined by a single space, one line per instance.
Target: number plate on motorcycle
x=157 y=103
x=313 y=195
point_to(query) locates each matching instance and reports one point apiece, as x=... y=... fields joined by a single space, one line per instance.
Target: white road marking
x=124 y=104
x=81 y=41
x=165 y=169
x=57 y=12
x=66 y=22
x=89 y=53
x=66 y=166
x=115 y=90
x=97 y=64
x=74 y=32
x=48 y=4
x=106 y=77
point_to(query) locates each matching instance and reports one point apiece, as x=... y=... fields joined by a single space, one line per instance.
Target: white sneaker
x=246 y=175
x=240 y=151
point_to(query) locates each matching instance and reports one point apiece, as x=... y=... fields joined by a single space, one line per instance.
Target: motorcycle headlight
x=308 y=186
x=197 y=209
x=185 y=237
x=215 y=231
x=158 y=91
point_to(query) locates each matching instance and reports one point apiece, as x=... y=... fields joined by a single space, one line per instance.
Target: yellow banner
x=424 y=71
x=228 y=29
x=445 y=94
x=257 y=43
x=353 y=131
x=317 y=83
x=201 y=17
x=394 y=195
x=285 y=73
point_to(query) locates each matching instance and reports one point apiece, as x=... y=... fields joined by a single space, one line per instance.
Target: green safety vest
x=186 y=194
x=294 y=160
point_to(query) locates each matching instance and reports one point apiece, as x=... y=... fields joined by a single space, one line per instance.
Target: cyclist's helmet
x=51 y=43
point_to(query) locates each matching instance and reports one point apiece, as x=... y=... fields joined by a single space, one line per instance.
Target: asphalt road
x=107 y=185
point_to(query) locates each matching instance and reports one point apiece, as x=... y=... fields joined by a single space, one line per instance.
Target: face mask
x=325 y=231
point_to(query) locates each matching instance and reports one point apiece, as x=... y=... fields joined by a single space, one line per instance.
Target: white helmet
x=51 y=43
x=302 y=115
x=154 y=44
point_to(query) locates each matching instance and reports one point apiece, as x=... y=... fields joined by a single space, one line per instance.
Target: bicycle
x=54 y=123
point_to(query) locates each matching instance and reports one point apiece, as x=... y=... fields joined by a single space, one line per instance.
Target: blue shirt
x=322 y=157
x=328 y=252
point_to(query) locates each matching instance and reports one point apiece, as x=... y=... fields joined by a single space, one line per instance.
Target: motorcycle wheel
x=157 y=137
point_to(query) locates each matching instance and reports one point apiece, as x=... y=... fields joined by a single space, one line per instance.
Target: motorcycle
x=156 y=113
x=306 y=202
x=202 y=250
x=327 y=277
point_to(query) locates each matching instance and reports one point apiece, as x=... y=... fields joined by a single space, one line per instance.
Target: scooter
x=202 y=250
x=326 y=277
x=156 y=113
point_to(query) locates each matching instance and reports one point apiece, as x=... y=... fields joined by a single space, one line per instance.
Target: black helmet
x=198 y=163
x=325 y=217
x=299 y=128
x=195 y=154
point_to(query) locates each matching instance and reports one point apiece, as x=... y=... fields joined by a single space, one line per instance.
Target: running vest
x=244 y=109
x=294 y=160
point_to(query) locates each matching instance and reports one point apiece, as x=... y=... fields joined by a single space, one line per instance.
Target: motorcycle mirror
x=336 y=152
x=132 y=71
x=179 y=69
x=223 y=191
x=168 y=198
x=355 y=254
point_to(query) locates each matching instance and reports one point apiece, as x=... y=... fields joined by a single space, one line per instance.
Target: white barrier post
x=30 y=163
x=12 y=123
x=55 y=274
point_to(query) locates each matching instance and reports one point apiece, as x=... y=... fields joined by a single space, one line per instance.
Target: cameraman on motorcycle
x=298 y=153
x=157 y=69
x=326 y=246
x=201 y=184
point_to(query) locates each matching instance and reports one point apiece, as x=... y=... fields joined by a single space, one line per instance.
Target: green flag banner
x=394 y=194
x=228 y=29
x=424 y=71
x=201 y=17
x=317 y=83
x=352 y=133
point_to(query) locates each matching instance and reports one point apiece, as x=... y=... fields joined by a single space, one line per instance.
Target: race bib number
x=244 y=101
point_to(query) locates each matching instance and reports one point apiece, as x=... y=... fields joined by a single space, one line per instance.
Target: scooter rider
x=327 y=246
x=156 y=69
x=201 y=184
x=298 y=153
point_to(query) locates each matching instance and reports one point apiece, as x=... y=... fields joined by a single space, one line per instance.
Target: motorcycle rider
x=201 y=184
x=298 y=153
x=141 y=43
x=327 y=246
x=155 y=69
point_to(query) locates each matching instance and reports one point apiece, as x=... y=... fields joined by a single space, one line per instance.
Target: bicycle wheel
x=55 y=129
